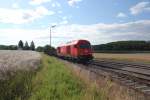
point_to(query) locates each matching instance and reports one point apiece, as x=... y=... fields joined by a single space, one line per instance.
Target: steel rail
x=117 y=69
x=119 y=63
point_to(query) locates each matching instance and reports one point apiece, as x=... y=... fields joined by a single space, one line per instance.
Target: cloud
x=95 y=33
x=73 y=2
x=63 y=22
x=121 y=15
x=15 y=5
x=60 y=12
x=43 y=11
x=140 y=7
x=38 y=2
x=65 y=17
x=56 y=4
x=12 y=36
x=103 y=33
x=20 y=16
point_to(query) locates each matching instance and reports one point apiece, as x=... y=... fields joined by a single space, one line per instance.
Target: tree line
x=26 y=46
x=21 y=46
x=10 y=47
x=47 y=49
x=123 y=46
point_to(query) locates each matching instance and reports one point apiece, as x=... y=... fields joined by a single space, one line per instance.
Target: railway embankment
x=110 y=88
x=56 y=81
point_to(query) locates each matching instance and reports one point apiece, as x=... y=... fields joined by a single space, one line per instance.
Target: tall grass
x=17 y=87
x=57 y=82
x=52 y=81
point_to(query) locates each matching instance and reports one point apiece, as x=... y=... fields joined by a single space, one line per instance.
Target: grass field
x=137 y=57
x=51 y=81
x=13 y=60
x=56 y=82
x=17 y=69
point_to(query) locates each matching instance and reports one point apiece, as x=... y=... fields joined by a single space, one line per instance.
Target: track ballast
x=133 y=75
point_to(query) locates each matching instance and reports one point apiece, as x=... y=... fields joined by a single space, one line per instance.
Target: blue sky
x=99 y=21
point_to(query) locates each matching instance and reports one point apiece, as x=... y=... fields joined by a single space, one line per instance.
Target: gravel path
x=14 y=60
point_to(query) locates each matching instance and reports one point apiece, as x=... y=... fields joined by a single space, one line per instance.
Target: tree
x=26 y=47
x=49 y=50
x=40 y=49
x=20 y=44
x=32 y=46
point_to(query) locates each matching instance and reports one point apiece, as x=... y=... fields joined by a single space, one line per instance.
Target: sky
x=99 y=21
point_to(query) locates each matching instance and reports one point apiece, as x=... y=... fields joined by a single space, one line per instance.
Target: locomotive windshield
x=85 y=46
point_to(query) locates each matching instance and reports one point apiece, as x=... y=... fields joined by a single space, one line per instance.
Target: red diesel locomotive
x=79 y=50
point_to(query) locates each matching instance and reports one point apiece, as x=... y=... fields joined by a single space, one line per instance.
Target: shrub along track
x=133 y=75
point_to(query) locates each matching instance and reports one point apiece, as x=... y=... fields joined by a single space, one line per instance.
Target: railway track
x=132 y=75
x=135 y=76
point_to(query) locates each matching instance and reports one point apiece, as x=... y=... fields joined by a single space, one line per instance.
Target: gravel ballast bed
x=12 y=61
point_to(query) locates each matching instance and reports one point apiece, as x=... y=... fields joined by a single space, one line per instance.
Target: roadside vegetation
x=47 y=49
x=56 y=82
x=17 y=87
x=51 y=81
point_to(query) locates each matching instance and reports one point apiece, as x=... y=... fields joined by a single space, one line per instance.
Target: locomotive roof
x=73 y=42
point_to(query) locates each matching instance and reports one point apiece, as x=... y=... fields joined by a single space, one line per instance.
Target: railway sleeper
x=135 y=80
x=146 y=90
x=132 y=84
x=140 y=86
x=122 y=65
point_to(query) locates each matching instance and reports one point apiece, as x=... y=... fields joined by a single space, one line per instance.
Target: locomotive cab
x=85 y=51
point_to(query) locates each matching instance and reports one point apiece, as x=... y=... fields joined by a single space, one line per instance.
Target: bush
x=49 y=50
x=40 y=49
x=17 y=87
